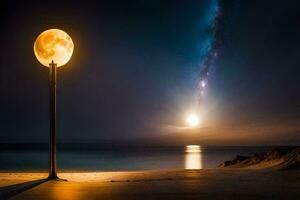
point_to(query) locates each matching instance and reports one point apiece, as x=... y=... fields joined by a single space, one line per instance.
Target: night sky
x=136 y=65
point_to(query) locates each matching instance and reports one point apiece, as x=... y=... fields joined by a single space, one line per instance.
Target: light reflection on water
x=93 y=157
x=193 y=158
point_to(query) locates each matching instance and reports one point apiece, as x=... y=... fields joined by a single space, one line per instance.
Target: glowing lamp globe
x=53 y=45
x=192 y=120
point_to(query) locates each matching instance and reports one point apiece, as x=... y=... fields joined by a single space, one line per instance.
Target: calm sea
x=93 y=157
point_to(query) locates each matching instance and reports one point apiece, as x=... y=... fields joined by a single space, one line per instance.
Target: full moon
x=192 y=120
x=53 y=44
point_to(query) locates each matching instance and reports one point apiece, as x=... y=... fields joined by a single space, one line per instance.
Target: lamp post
x=53 y=48
x=52 y=146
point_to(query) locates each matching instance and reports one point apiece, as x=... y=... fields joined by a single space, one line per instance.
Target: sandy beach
x=169 y=184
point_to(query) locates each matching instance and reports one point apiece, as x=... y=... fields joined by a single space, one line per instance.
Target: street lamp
x=53 y=48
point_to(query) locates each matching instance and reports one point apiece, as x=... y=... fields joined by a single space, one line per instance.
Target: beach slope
x=170 y=184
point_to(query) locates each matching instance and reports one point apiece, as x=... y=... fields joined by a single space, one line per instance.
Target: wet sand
x=168 y=184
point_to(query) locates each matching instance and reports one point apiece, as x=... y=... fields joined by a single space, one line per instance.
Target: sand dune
x=281 y=158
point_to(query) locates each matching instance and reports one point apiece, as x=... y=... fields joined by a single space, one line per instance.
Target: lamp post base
x=56 y=179
x=53 y=177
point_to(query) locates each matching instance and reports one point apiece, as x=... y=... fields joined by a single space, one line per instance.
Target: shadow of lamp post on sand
x=53 y=48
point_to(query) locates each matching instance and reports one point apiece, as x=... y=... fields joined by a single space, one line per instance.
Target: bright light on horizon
x=192 y=148
x=192 y=120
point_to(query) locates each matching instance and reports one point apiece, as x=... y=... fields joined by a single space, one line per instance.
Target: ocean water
x=93 y=157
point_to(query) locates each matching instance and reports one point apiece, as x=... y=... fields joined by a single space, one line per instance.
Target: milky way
x=209 y=49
